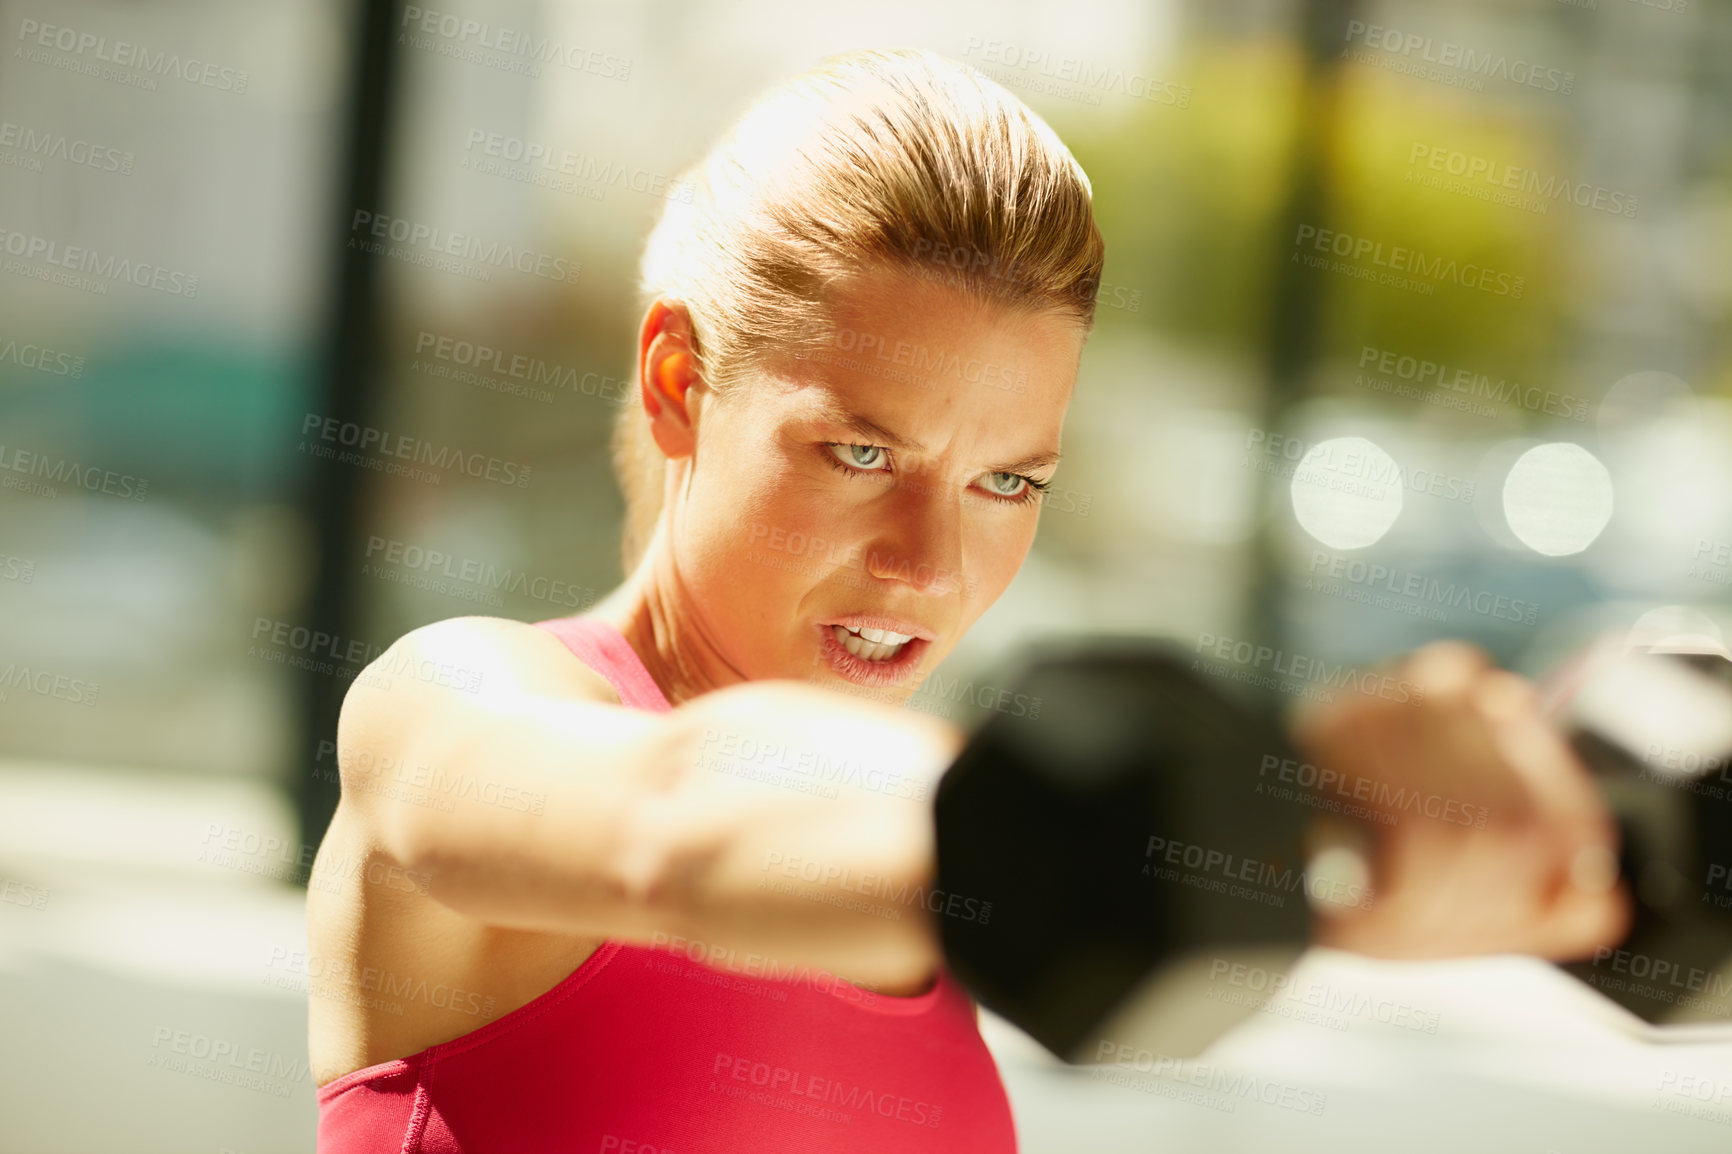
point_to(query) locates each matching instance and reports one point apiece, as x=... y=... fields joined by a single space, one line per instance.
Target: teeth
x=884 y=636
x=866 y=650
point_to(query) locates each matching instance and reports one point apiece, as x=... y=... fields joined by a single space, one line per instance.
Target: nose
x=922 y=541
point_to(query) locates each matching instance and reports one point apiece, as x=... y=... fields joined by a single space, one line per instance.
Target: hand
x=1490 y=836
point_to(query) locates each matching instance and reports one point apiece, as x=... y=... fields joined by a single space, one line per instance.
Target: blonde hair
x=881 y=160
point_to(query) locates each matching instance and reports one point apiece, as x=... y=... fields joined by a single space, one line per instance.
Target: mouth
x=875 y=651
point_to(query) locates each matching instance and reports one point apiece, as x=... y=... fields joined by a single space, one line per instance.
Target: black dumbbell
x=1065 y=822
x=1137 y=820
x=1656 y=729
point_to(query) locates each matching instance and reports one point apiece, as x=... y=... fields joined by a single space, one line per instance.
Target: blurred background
x=1416 y=322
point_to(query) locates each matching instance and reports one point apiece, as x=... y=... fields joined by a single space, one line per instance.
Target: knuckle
x=1500 y=693
x=1449 y=661
x=1448 y=696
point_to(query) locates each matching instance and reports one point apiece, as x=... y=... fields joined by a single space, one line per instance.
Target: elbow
x=663 y=849
x=643 y=874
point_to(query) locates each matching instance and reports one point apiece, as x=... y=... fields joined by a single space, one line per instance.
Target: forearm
x=799 y=828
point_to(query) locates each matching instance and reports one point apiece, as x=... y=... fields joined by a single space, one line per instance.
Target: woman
x=605 y=900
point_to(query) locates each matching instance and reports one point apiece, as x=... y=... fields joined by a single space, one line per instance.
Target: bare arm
x=533 y=802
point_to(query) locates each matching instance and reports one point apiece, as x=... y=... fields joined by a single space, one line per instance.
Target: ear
x=666 y=372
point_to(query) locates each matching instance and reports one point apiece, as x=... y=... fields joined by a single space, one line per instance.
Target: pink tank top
x=643 y=1050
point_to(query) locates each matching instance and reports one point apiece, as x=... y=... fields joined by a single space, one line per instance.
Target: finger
x=1452 y=893
x=1442 y=668
x=1459 y=744
x=1514 y=904
x=1565 y=800
x=1446 y=667
x=1495 y=891
x=1506 y=696
x=1580 y=922
x=1423 y=895
x=1562 y=787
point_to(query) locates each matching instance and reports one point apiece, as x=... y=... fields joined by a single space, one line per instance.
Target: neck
x=654 y=611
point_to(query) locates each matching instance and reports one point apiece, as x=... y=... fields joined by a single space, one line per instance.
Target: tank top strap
x=604 y=649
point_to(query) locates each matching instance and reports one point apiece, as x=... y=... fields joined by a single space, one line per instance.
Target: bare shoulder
x=488 y=656
x=457 y=670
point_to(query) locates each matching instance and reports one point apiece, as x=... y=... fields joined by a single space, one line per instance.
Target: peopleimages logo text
x=367 y=439
x=126 y=55
x=367 y=228
x=1501 y=177
x=1301 y=667
x=1449 y=54
x=511 y=42
x=40 y=145
x=1401 y=259
x=30 y=247
x=1475 y=384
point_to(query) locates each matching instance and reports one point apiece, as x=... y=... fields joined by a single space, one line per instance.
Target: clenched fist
x=1532 y=869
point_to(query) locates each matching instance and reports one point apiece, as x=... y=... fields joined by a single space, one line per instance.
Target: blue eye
x=867 y=457
x=853 y=460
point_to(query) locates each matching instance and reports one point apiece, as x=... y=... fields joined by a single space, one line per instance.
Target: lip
x=875 y=674
x=859 y=621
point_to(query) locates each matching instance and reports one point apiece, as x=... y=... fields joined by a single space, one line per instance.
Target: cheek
x=764 y=531
x=795 y=505
x=734 y=489
x=995 y=553
x=769 y=501
x=1001 y=539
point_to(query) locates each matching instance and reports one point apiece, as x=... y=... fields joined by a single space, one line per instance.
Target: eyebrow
x=879 y=435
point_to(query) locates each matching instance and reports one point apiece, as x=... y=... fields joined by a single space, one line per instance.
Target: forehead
x=925 y=310
x=928 y=355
